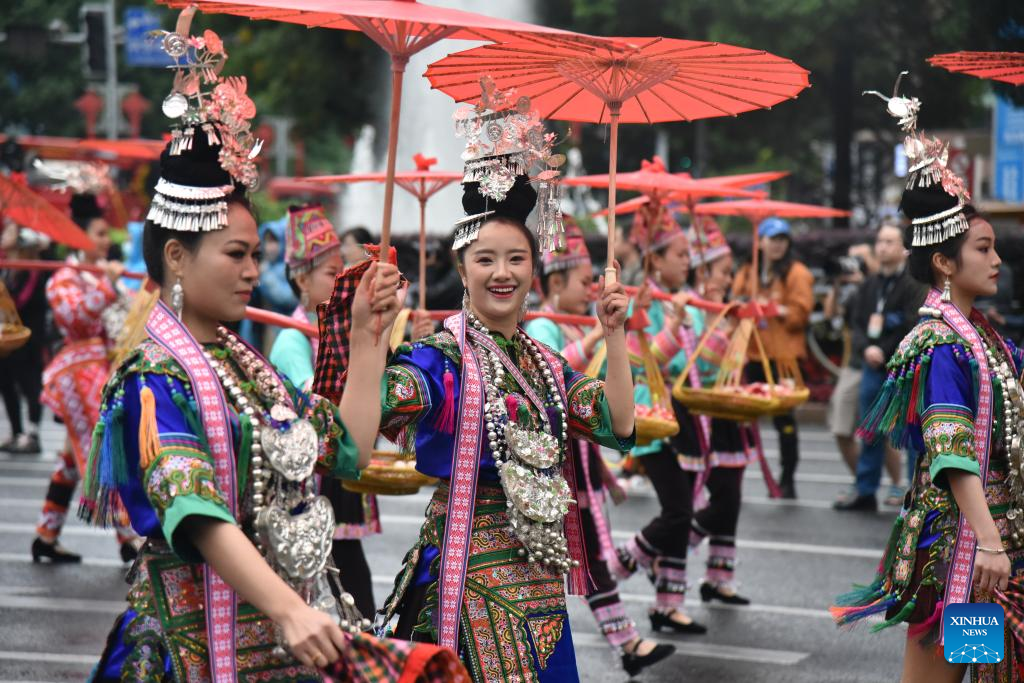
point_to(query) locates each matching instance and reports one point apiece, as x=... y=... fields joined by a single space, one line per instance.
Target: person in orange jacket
x=789 y=285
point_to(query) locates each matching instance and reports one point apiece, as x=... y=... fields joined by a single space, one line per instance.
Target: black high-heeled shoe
x=53 y=552
x=634 y=663
x=660 y=620
x=709 y=592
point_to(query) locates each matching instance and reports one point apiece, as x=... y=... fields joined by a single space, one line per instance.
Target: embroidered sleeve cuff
x=941 y=463
x=185 y=506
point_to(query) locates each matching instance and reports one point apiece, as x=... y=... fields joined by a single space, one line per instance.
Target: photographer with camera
x=880 y=314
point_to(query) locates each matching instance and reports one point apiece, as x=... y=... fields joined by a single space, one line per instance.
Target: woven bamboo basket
x=729 y=397
x=652 y=422
x=390 y=473
x=13 y=334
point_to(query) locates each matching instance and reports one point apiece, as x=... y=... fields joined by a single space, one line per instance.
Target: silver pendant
x=300 y=545
x=538 y=449
x=540 y=498
x=291 y=452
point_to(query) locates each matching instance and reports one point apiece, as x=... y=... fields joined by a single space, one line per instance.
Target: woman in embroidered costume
x=491 y=412
x=213 y=453
x=313 y=258
x=672 y=465
x=728 y=450
x=953 y=395
x=566 y=280
x=73 y=380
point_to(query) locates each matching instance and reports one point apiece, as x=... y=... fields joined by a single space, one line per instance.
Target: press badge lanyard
x=876 y=323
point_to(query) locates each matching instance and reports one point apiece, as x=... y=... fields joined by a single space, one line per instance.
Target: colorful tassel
x=149 y=434
x=899 y=617
x=445 y=421
x=918 y=630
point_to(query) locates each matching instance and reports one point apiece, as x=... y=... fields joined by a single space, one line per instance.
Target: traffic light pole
x=110 y=108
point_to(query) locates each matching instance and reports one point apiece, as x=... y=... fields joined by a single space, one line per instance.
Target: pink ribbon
x=221 y=602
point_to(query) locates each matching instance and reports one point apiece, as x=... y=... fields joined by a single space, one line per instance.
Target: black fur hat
x=84 y=208
x=519 y=201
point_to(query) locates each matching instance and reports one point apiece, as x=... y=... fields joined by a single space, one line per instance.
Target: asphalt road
x=794 y=556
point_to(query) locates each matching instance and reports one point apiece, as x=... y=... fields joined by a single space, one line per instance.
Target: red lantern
x=89 y=105
x=134 y=106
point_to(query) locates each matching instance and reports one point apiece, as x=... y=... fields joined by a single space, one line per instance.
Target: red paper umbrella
x=402 y=27
x=421 y=183
x=633 y=80
x=1007 y=67
x=756 y=210
x=740 y=180
x=26 y=208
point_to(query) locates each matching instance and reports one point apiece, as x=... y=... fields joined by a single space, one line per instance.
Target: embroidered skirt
x=514 y=625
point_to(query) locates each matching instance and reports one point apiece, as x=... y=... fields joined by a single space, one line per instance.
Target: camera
x=843 y=266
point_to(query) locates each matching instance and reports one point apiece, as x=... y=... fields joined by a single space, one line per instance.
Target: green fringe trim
x=897 y=618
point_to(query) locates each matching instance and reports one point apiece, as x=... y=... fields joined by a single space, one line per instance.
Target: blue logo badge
x=973 y=633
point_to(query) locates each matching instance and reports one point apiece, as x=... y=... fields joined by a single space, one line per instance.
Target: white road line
x=709 y=650
x=49 y=657
x=40 y=604
x=26 y=558
x=415 y=520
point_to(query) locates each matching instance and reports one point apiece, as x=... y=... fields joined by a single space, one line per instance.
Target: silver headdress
x=505 y=140
x=215 y=116
x=927 y=160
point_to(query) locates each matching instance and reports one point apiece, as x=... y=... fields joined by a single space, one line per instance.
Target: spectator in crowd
x=846 y=275
x=880 y=315
x=788 y=284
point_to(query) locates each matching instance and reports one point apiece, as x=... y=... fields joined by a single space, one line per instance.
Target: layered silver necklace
x=294 y=526
x=529 y=461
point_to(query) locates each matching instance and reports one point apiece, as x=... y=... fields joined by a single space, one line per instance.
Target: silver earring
x=947 y=294
x=177 y=298
x=304 y=300
x=555 y=300
x=465 y=299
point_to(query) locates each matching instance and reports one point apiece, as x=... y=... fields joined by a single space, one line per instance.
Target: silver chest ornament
x=292 y=451
x=539 y=449
x=298 y=543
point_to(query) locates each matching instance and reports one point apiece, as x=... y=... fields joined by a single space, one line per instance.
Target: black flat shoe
x=788 y=491
x=128 y=552
x=660 y=621
x=634 y=664
x=53 y=552
x=709 y=592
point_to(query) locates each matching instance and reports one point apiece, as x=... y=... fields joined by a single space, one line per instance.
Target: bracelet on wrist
x=992 y=551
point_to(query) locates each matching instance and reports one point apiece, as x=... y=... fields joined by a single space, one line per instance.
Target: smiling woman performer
x=952 y=394
x=491 y=413
x=213 y=453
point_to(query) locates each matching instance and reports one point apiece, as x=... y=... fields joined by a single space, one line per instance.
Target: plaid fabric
x=371 y=660
x=335 y=316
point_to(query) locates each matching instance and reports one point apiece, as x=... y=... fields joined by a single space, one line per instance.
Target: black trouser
x=718 y=522
x=669 y=532
x=785 y=425
x=22 y=374
x=350 y=560
x=725 y=489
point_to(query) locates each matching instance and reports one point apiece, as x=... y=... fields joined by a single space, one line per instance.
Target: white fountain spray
x=426 y=127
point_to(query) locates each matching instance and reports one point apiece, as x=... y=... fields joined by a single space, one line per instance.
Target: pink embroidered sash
x=462 y=491
x=961 y=573
x=220 y=600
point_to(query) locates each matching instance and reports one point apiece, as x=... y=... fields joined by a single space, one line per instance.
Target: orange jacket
x=784 y=336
